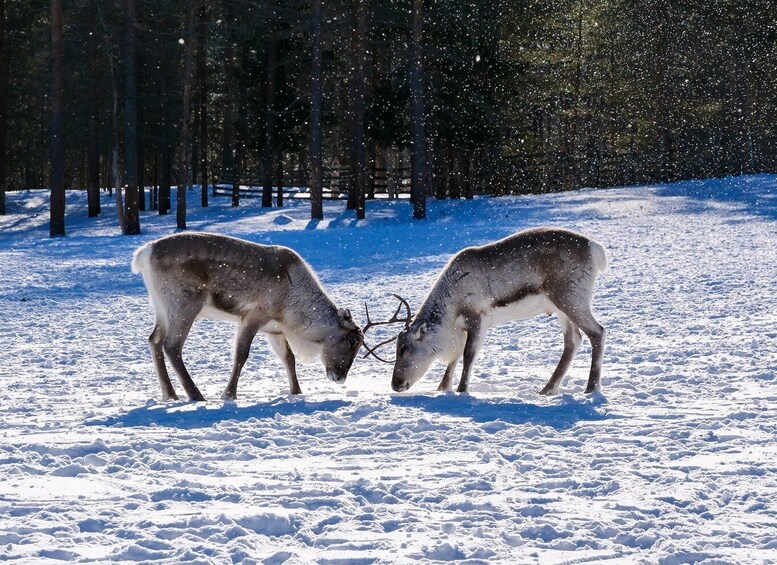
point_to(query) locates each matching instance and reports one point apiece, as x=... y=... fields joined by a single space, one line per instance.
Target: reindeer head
x=414 y=354
x=341 y=346
x=416 y=351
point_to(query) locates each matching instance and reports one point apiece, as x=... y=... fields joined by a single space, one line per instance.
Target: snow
x=675 y=462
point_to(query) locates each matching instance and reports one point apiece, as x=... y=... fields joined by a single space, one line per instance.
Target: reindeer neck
x=440 y=307
x=312 y=307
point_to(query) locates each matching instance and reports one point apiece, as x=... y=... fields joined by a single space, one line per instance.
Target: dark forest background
x=439 y=98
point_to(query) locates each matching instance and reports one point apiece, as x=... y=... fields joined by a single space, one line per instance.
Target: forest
x=358 y=99
x=355 y=208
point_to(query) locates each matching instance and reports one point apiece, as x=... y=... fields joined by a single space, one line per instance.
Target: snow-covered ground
x=676 y=462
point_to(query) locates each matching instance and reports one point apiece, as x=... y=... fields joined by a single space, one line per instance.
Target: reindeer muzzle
x=400 y=387
x=335 y=378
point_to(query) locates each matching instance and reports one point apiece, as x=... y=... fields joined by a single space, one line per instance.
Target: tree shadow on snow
x=560 y=415
x=189 y=416
x=755 y=194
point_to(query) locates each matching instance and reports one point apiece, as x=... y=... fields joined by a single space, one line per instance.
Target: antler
x=393 y=320
x=371 y=350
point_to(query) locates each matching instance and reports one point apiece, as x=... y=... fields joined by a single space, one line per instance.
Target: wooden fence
x=513 y=174
x=336 y=181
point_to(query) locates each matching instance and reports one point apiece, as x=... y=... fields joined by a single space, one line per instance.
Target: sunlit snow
x=675 y=462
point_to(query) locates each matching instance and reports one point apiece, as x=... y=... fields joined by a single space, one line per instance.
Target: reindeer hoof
x=548 y=390
x=589 y=389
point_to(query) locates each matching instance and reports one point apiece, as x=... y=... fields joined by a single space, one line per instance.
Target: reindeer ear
x=344 y=314
x=345 y=319
x=418 y=334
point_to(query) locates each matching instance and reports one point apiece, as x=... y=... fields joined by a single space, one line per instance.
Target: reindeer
x=543 y=270
x=261 y=287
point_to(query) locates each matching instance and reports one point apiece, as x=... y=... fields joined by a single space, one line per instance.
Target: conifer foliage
x=353 y=98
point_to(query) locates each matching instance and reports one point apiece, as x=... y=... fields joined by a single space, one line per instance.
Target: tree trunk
x=185 y=155
x=140 y=150
x=202 y=82
x=105 y=167
x=153 y=199
x=664 y=140
x=359 y=102
x=350 y=159
x=141 y=169
x=316 y=96
x=116 y=174
x=429 y=173
x=131 y=216
x=573 y=174
x=92 y=149
x=57 y=209
x=114 y=158
x=238 y=159
x=757 y=125
x=454 y=155
x=391 y=176
x=469 y=190
x=3 y=107
x=432 y=166
x=279 y=177
x=166 y=176
x=418 y=154
x=228 y=131
x=194 y=166
x=376 y=156
x=269 y=128
x=237 y=164
x=438 y=169
x=743 y=104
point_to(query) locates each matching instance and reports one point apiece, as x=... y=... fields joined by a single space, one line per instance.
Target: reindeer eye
x=402 y=350
x=353 y=341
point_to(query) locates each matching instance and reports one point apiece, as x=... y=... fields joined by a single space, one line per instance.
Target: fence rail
x=336 y=181
x=512 y=174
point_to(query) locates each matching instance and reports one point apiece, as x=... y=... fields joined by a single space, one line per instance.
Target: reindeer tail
x=141 y=258
x=599 y=255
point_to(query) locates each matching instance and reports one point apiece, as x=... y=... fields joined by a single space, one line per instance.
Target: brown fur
x=481 y=284
x=264 y=288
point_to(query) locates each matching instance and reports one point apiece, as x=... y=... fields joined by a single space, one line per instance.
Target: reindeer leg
x=283 y=351
x=474 y=340
x=446 y=382
x=595 y=333
x=157 y=353
x=578 y=310
x=572 y=339
x=245 y=336
x=176 y=337
x=173 y=351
